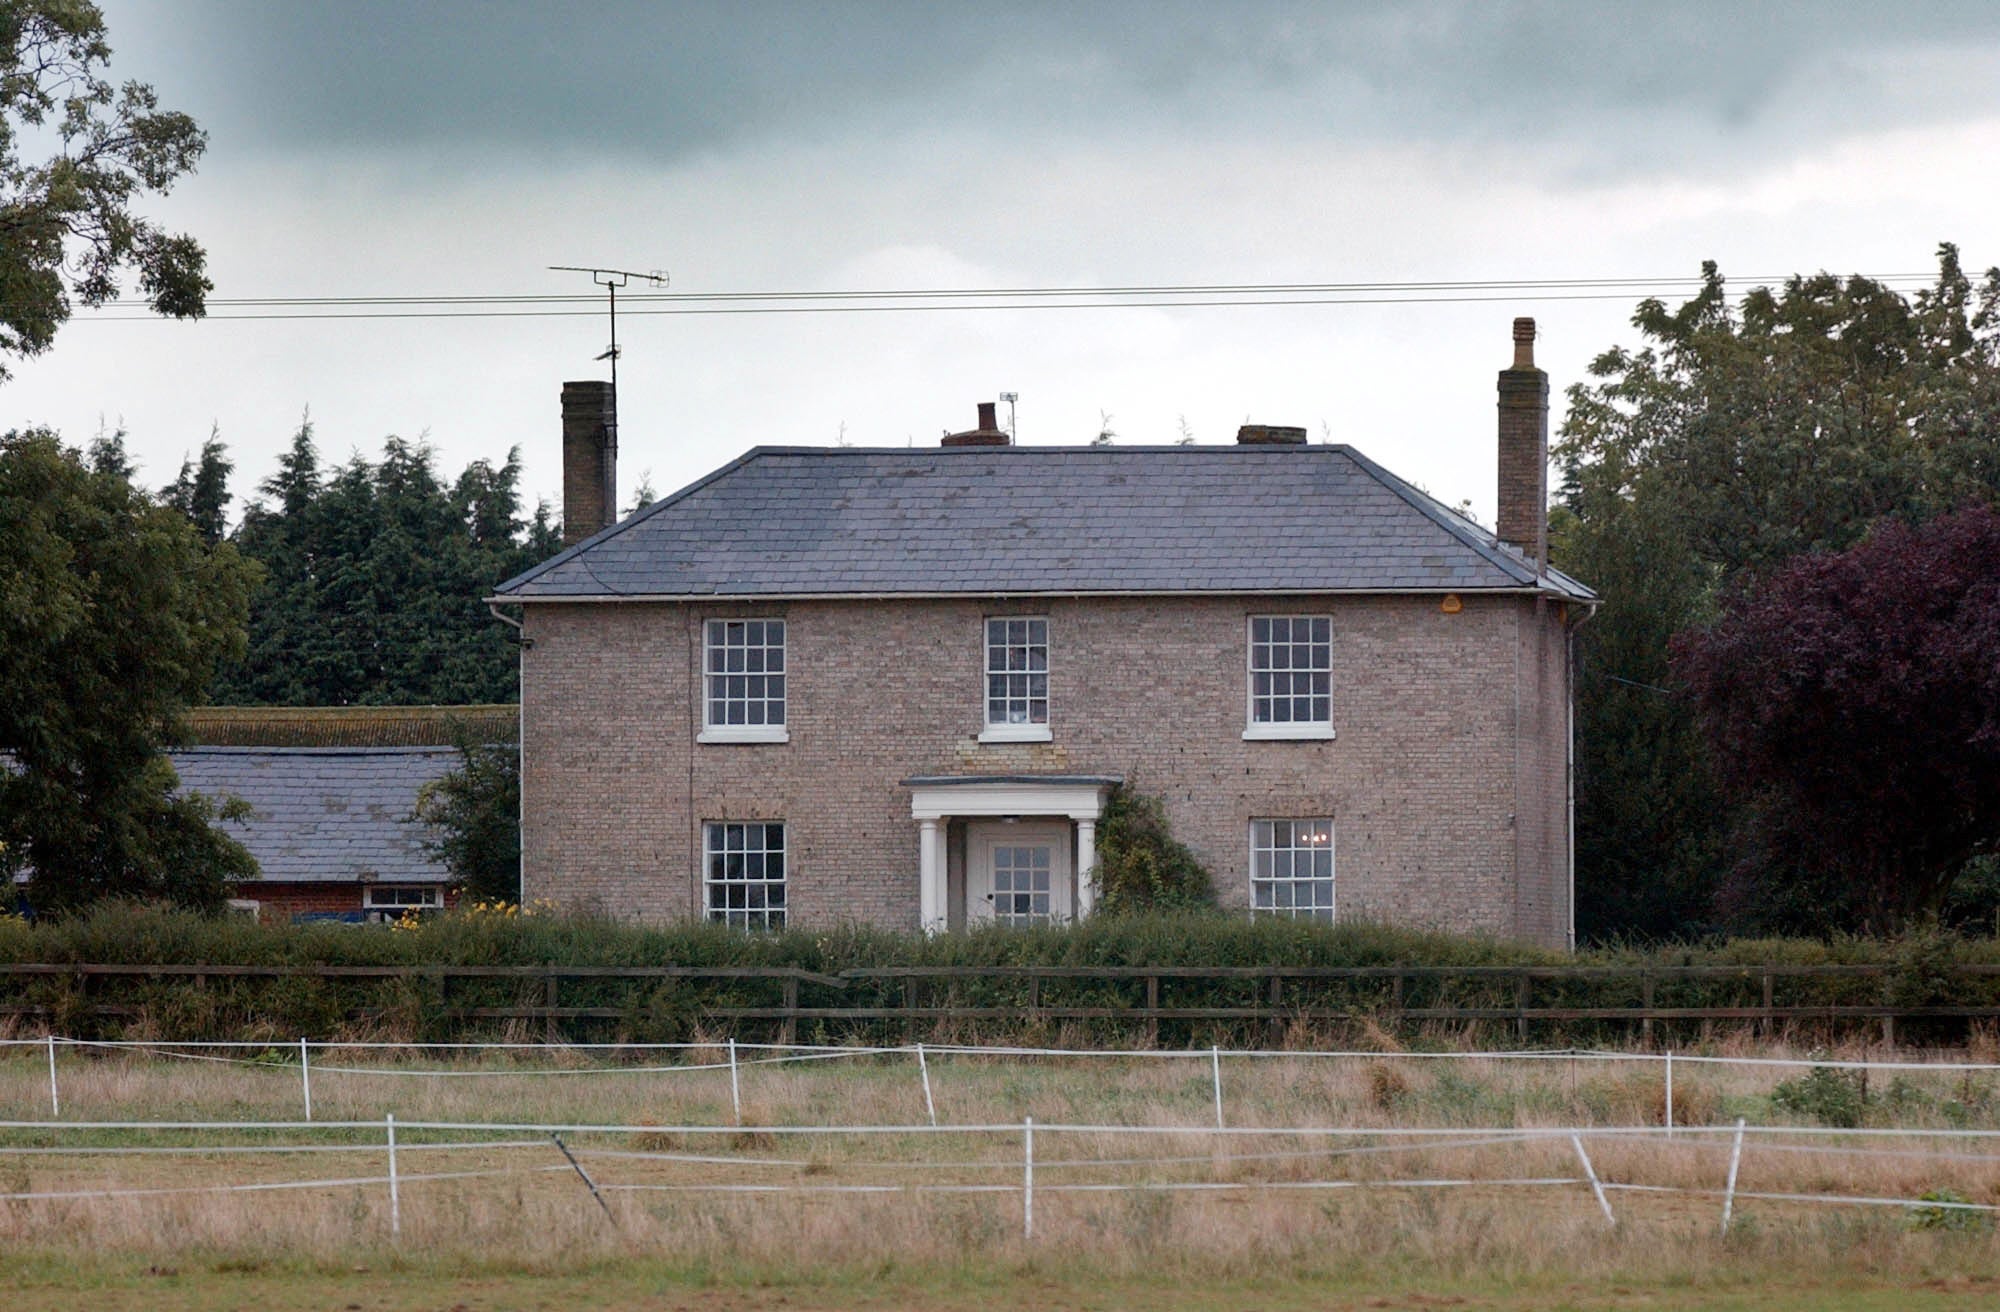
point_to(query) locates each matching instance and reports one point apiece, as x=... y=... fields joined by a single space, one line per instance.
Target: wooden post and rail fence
x=788 y=1000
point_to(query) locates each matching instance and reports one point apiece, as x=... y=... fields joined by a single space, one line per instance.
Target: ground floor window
x=1291 y=868
x=745 y=873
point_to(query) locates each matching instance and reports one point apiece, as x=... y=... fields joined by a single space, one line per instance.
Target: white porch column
x=1086 y=866
x=930 y=878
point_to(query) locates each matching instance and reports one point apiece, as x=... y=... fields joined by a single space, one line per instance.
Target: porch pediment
x=977 y=796
x=936 y=799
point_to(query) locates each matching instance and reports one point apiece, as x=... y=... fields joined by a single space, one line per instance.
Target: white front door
x=1017 y=874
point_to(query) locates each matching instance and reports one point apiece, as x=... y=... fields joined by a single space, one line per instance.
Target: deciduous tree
x=1735 y=438
x=113 y=617
x=1856 y=697
x=68 y=233
x=475 y=815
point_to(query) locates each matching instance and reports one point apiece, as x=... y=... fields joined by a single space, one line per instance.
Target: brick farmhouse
x=897 y=686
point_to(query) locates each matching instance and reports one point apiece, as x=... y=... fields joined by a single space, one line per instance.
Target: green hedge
x=668 y=1010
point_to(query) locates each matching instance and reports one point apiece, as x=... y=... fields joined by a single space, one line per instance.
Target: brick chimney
x=1270 y=435
x=590 y=459
x=989 y=432
x=1524 y=450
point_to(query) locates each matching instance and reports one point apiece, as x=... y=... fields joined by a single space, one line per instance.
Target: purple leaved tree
x=1857 y=695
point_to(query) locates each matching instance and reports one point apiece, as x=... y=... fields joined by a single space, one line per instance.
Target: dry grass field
x=1150 y=1207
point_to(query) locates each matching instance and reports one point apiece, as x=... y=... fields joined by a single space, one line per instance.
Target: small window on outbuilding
x=403 y=897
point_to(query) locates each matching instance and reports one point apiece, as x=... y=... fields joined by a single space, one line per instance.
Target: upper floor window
x=744 y=884
x=1017 y=680
x=1291 y=677
x=1291 y=868
x=744 y=672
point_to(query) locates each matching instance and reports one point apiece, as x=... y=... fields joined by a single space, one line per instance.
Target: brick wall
x=1444 y=780
x=278 y=901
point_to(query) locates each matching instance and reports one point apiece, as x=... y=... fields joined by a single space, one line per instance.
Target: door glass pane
x=1022 y=884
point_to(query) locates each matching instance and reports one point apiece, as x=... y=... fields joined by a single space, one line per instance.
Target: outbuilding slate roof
x=325 y=814
x=806 y=521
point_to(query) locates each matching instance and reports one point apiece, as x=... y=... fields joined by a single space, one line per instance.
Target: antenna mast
x=611 y=280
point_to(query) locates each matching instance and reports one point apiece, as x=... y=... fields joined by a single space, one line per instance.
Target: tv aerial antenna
x=611 y=280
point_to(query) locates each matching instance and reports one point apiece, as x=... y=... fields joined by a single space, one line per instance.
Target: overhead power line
x=960 y=299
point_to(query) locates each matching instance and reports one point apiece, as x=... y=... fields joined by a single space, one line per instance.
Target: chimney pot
x=1524 y=343
x=590 y=459
x=1270 y=435
x=1523 y=520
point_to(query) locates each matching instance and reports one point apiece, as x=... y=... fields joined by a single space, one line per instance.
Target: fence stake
x=1735 y=1159
x=395 y=1194
x=1670 y=1093
x=55 y=1096
x=735 y=1090
x=1595 y=1186
x=585 y=1175
x=1028 y=1178
x=1215 y=1056
x=306 y=1078
x=924 y=1070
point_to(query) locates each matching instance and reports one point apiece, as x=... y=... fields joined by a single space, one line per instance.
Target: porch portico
x=1022 y=837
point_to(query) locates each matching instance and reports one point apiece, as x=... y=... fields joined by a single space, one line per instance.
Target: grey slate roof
x=804 y=521
x=325 y=814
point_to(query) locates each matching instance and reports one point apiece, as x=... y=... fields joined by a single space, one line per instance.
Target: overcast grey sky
x=368 y=148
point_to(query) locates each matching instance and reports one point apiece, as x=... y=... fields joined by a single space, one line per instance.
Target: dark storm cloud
x=657 y=82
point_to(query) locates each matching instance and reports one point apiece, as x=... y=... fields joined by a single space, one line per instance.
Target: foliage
x=1324 y=1010
x=201 y=491
x=1731 y=441
x=1856 y=696
x=1962 y=1214
x=113 y=617
x=374 y=579
x=1140 y=865
x=1829 y=1094
x=66 y=223
x=475 y=816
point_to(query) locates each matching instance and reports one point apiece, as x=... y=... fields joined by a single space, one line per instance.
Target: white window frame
x=430 y=897
x=715 y=665
x=1027 y=731
x=715 y=854
x=1284 y=730
x=1292 y=850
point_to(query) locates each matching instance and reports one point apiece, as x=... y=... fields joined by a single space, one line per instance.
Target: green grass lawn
x=52 y=1284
